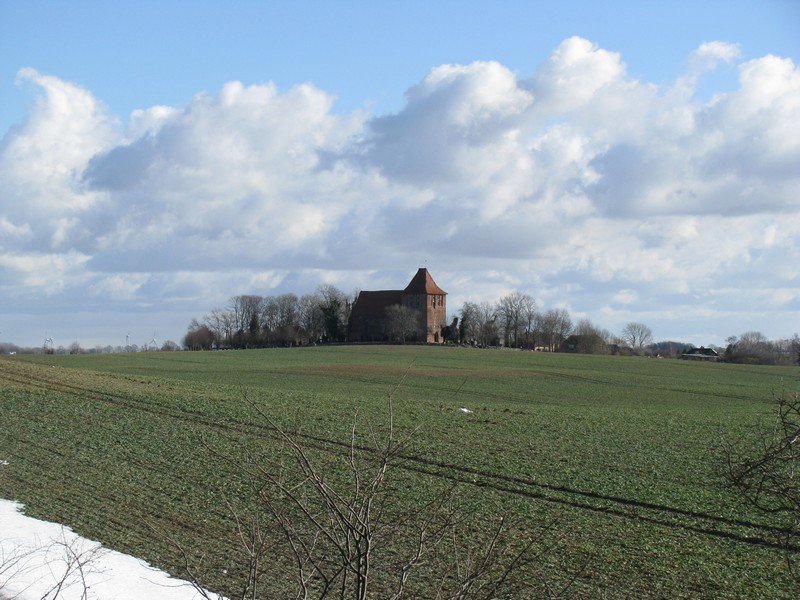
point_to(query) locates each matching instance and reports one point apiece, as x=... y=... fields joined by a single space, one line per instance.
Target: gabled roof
x=374 y=304
x=701 y=351
x=423 y=283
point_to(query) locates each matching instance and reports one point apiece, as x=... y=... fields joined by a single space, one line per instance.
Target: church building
x=369 y=321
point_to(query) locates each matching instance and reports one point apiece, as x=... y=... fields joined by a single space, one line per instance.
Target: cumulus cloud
x=575 y=73
x=709 y=54
x=41 y=160
x=237 y=175
x=577 y=182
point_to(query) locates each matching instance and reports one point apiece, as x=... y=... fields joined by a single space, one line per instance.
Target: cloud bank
x=578 y=183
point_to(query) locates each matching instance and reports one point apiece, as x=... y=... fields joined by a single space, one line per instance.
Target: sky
x=627 y=161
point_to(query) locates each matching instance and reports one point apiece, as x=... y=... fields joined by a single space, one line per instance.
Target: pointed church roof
x=423 y=283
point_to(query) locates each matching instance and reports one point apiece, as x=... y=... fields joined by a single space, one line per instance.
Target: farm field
x=610 y=463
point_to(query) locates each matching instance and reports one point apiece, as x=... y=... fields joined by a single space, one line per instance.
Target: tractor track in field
x=662 y=515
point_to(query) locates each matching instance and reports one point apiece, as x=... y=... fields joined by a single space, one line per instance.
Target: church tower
x=430 y=302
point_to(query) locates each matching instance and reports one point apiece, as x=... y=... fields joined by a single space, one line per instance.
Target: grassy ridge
x=619 y=451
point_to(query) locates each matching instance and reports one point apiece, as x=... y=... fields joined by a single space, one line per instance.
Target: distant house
x=369 y=321
x=700 y=353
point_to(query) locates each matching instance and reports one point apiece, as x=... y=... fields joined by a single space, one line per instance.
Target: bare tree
x=402 y=322
x=479 y=323
x=270 y=314
x=527 y=321
x=223 y=324
x=767 y=475
x=198 y=337
x=286 y=318
x=335 y=306
x=348 y=540
x=553 y=326
x=169 y=346
x=310 y=316
x=637 y=336
x=794 y=348
x=244 y=308
x=67 y=564
x=287 y=310
x=753 y=347
x=590 y=339
x=512 y=311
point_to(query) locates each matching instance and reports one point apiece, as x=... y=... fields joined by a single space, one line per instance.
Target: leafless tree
x=348 y=540
x=223 y=324
x=402 y=322
x=767 y=475
x=198 y=337
x=753 y=347
x=244 y=308
x=270 y=314
x=553 y=326
x=794 y=348
x=347 y=535
x=70 y=562
x=637 y=336
x=335 y=307
x=169 y=346
x=479 y=323
x=280 y=316
x=590 y=339
x=528 y=321
x=512 y=311
x=310 y=315
x=287 y=310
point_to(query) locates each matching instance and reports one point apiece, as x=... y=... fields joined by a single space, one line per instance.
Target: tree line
x=753 y=347
x=250 y=321
x=513 y=321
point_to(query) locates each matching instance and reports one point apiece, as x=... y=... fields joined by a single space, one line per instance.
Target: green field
x=609 y=462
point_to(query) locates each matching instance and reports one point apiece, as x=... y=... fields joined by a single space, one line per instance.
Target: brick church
x=368 y=320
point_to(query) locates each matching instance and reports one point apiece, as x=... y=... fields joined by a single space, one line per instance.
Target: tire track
x=556 y=494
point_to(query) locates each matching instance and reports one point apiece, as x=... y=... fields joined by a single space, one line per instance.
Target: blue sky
x=79 y=82
x=136 y=54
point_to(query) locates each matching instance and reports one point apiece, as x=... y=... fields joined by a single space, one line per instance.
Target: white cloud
x=579 y=182
x=709 y=54
x=41 y=273
x=42 y=158
x=575 y=73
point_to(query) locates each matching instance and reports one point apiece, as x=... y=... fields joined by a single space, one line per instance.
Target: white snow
x=465 y=410
x=37 y=556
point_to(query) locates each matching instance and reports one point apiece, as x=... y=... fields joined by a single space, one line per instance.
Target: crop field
x=610 y=465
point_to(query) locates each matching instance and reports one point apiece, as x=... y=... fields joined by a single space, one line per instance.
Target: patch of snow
x=465 y=410
x=40 y=560
x=3 y=463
